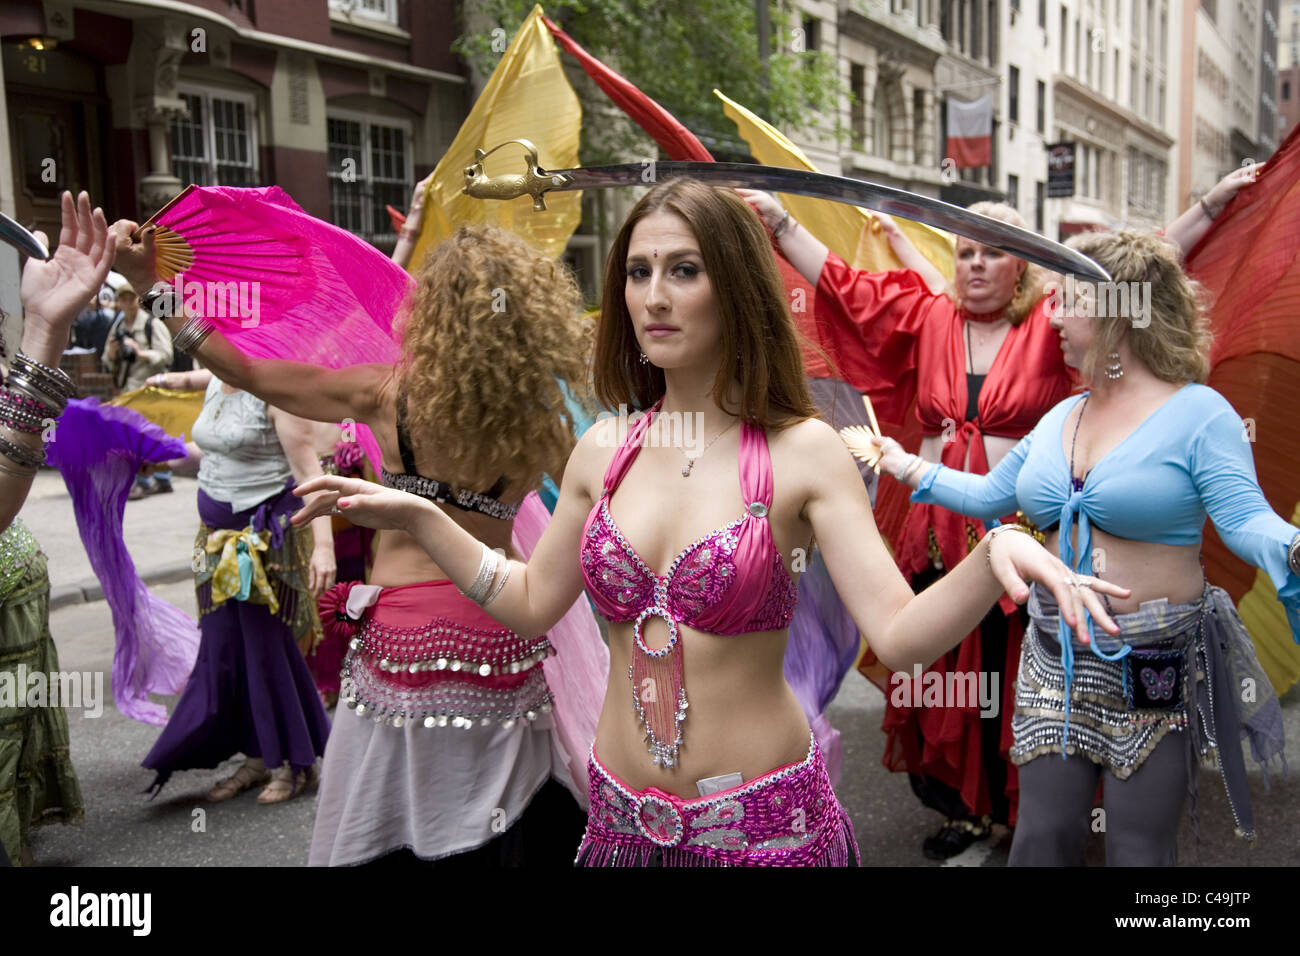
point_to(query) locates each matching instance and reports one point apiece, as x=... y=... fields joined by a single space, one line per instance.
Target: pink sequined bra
x=731 y=581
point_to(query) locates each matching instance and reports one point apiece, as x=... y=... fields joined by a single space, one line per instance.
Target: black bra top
x=974 y=383
x=411 y=480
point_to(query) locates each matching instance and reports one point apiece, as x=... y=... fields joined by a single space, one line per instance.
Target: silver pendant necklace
x=690 y=462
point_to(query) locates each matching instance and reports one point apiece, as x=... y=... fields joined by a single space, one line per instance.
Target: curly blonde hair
x=1174 y=339
x=1033 y=280
x=493 y=327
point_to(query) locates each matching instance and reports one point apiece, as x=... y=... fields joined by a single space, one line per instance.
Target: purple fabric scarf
x=98 y=449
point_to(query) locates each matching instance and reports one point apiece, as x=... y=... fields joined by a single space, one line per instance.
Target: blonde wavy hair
x=492 y=328
x=1174 y=341
x=1033 y=280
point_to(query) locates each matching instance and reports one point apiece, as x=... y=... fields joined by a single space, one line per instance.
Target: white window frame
x=364 y=172
x=206 y=94
x=354 y=9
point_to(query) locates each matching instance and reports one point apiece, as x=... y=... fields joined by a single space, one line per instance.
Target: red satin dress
x=902 y=345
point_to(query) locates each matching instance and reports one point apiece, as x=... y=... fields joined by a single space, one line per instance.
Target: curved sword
x=537 y=182
x=22 y=240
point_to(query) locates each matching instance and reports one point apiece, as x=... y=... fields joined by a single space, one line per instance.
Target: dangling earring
x=644 y=360
x=1115 y=369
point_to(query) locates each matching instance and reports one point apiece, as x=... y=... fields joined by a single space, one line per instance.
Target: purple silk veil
x=823 y=645
x=98 y=449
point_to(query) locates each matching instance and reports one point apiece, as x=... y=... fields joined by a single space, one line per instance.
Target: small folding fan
x=858 y=438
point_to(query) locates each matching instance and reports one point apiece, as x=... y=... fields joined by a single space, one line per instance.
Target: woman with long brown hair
x=703 y=755
x=454 y=735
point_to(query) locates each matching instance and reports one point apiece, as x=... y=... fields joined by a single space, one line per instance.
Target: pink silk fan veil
x=280 y=283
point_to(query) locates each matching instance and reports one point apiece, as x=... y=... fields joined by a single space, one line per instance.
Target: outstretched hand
x=55 y=290
x=1017 y=558
x=362 y=502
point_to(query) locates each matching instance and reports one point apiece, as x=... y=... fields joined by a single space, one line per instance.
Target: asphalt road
x=123 y=827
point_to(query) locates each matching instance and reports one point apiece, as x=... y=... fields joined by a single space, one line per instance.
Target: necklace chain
x=690 y=462
x=1076 y=484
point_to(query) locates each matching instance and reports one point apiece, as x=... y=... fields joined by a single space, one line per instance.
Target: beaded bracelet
x=22 y=454
x=22 y=422
x=781 y=226
x=16 y=401
x=52 y=405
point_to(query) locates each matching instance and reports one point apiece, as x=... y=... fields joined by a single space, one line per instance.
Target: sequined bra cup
x=731 y=581
x=487 y=502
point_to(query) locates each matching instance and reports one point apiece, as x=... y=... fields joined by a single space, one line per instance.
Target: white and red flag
x=970 y=132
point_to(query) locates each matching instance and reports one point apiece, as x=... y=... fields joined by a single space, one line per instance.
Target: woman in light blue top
x=1121 y=479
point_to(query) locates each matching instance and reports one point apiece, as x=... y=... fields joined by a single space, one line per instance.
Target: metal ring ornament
x=655 y=611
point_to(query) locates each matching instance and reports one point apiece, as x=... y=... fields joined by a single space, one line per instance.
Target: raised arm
x=536 y=594
x=309 y=391
x=1188 y=228
x=53 y=292
x=805 y=251
x=905 y=629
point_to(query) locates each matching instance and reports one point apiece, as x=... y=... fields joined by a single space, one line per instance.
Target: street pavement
x=124 y=827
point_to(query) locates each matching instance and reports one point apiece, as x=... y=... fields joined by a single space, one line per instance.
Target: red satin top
x=886 y=330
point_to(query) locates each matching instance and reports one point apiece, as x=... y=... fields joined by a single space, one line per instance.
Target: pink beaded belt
x=788 y=817
x=455 y=667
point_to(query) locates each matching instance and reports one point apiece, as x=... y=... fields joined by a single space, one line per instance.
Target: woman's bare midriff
x=1153 y=571
x=995 y=449
x=399 y=560
x=743 y=717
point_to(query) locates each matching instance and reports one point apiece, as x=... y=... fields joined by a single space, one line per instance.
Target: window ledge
x=367 y=26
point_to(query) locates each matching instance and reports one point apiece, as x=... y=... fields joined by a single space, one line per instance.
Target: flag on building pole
x=970 y=132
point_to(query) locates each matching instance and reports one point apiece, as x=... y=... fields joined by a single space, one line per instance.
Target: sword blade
x=22 y=240
x=896 y=202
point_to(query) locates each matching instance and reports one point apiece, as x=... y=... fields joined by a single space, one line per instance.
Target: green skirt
x=37 y=782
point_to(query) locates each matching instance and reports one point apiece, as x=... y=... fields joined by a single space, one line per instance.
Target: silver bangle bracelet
x=192 y=335
x=22 y=455
x=18 y=472
x=487 y=570
x=500 y=586
x=54 y=380
x=1293 y=555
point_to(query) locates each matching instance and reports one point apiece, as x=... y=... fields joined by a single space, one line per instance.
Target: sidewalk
x=159 y=532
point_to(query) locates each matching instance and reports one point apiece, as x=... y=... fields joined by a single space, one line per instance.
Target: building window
x=1286 y=89
x=385 y=11
x=1040 y=198
x=993 y=31
x=1065 y=35
x=1160 y=106
x=812 y=34
x=858 y=87
x=1133 y=85
x=1013 y=192
x=1164 y=36
x=882 y=119
x=1083 y=170
x=1013 y=95
x=217 y=144
x=976 y=46
x=369 y=168
x=1040 y=107
x=918 y=127
x=1042 y=13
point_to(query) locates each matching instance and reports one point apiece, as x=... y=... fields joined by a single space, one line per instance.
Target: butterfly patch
x=1155 y=679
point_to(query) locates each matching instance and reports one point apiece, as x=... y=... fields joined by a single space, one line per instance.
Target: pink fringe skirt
x=788 y=817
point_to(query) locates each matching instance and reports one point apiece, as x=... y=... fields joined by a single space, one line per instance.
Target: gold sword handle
x=534 y=181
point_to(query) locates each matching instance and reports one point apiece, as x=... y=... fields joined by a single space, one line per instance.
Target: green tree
x=677 y=52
